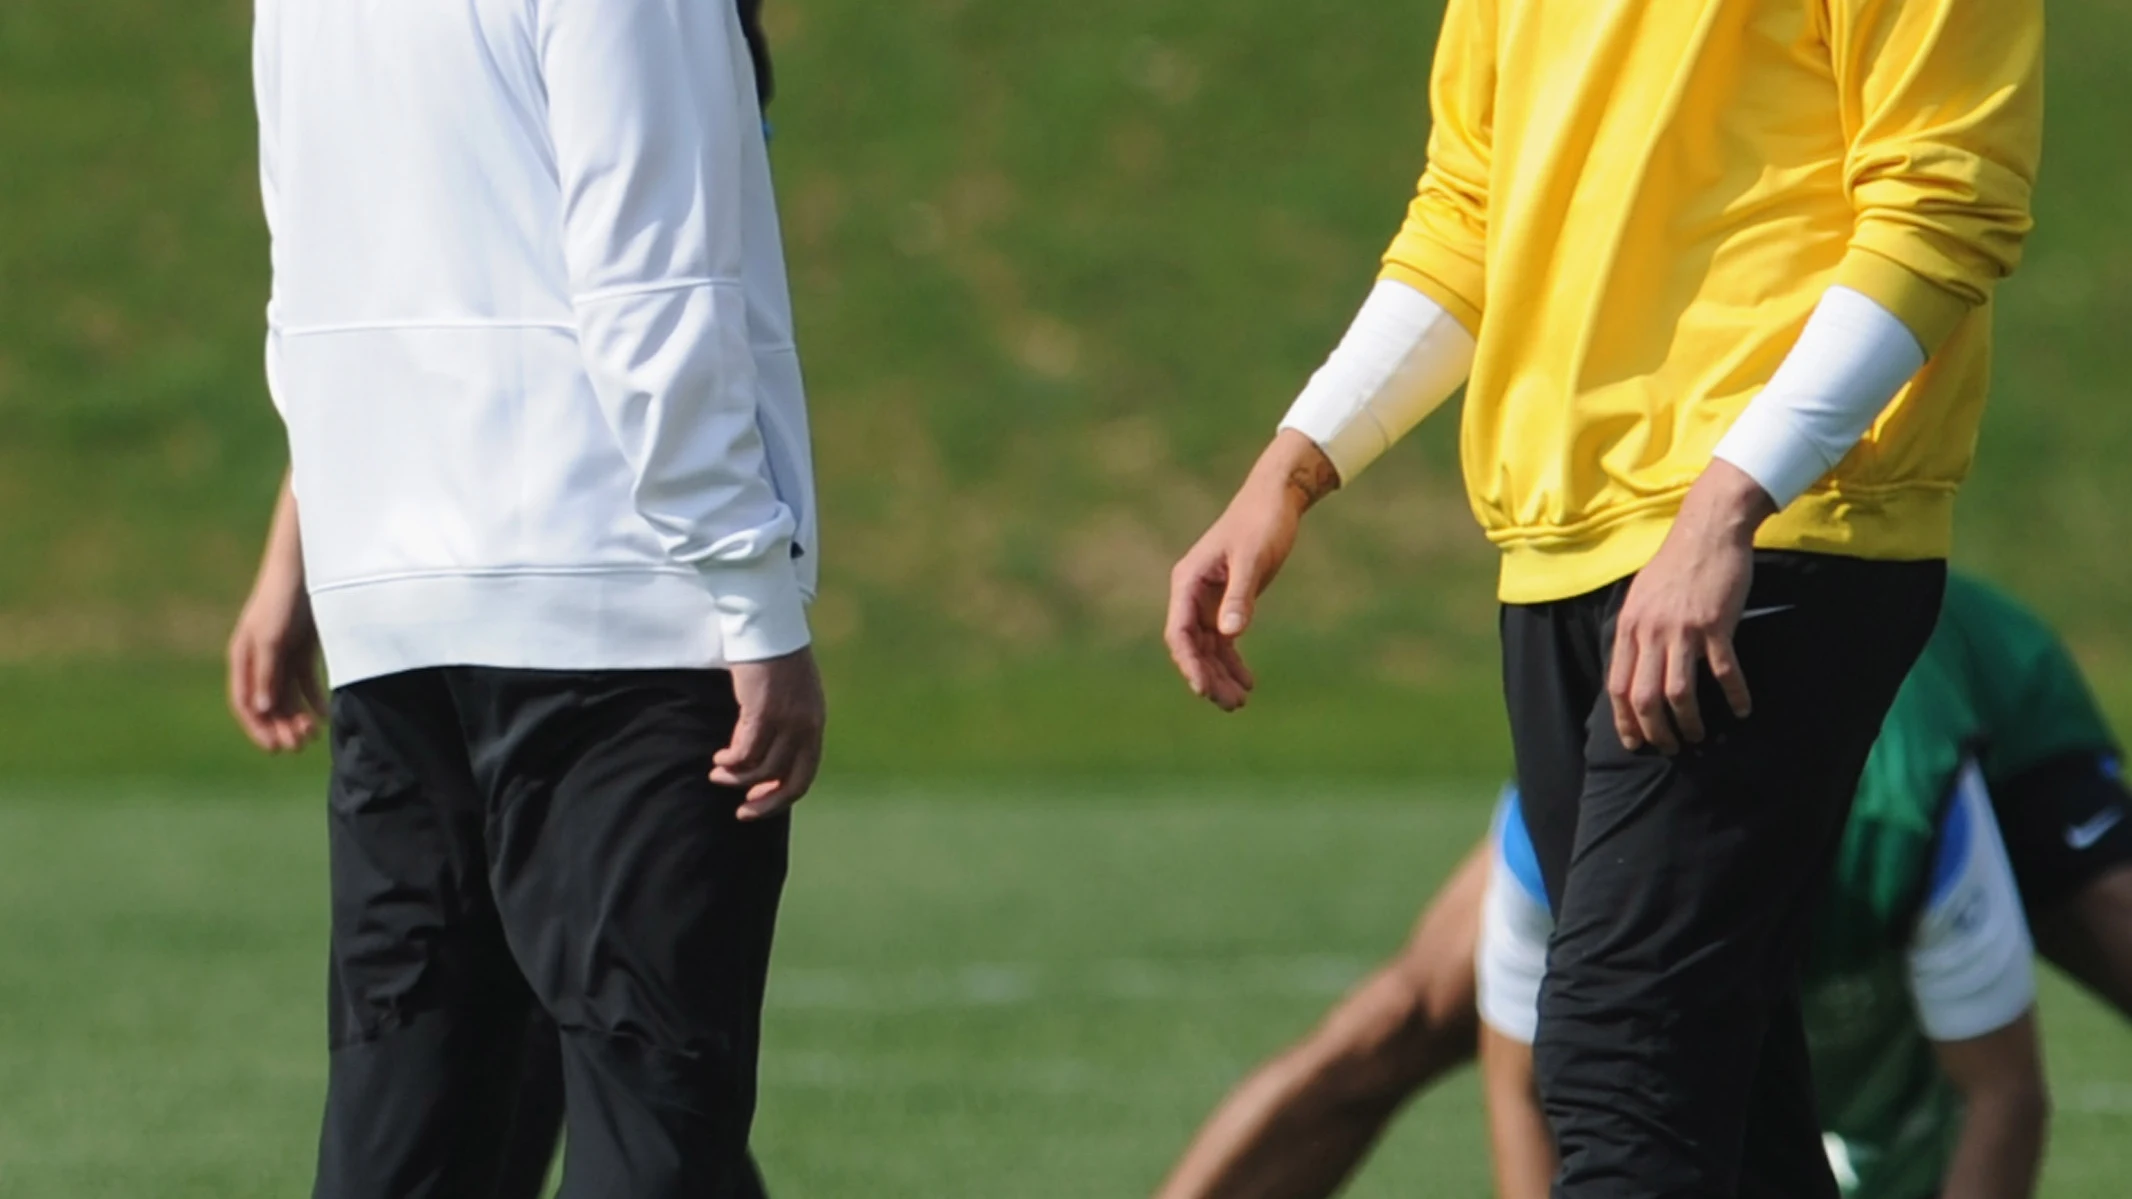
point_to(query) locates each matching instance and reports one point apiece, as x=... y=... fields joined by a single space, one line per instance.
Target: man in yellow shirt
x=1717 y=275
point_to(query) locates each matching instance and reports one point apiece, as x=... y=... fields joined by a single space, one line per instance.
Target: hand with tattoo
x=1216 y=585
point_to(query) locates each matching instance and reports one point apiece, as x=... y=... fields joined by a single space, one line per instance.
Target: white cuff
x=761 y=614
x=1402 y=358
x=1849 y=362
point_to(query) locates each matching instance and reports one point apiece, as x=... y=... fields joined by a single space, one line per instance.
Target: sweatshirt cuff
x=1851 y=359
x=1466 y=312
x=761 y=613
x=1930 y=311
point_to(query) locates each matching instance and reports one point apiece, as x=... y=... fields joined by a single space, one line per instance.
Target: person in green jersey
x=1919 y=1002
x=1919 y=991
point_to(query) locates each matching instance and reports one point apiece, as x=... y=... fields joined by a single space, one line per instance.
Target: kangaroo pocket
x=425 y=450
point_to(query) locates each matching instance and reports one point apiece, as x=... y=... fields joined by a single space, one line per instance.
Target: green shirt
x=1995 y=686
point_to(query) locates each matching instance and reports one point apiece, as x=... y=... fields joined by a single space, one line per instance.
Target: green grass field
x=1057 y=270
x=1024 y=992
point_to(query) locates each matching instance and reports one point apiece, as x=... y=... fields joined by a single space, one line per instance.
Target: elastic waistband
x=1900 y=524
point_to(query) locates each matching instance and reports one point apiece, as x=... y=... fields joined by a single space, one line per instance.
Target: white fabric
x=1972 y=966
x=1401 y=359
x=530 y=334
x=1970 y=958
x=1511 y=959
x=1850 y=361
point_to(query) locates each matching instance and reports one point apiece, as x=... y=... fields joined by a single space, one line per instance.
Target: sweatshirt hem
x=1903 y=524
x=616 y=620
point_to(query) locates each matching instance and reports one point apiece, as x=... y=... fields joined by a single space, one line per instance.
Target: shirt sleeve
x=266 y=87
x=1401 y=359
x=1511 y=959
x=1943 y=104
x=649 y=103
x=1849 y=362
x=1441 y=249
x=1971 y=962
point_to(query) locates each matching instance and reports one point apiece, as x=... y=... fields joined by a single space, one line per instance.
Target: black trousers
x=533 y=879
x=1670 y=1055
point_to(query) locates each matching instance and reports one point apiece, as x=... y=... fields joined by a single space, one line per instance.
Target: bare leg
x=1300 y=1126
x=2090 y=938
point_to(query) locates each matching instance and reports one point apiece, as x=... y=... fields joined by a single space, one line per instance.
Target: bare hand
x=777 y=745
x=1681 y=611
x=274 y=687
x=1216 y=585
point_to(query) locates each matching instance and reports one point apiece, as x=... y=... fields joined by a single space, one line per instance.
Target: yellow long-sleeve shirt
x=1634 y=205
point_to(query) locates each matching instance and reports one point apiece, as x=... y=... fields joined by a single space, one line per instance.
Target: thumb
x=1237 y=599
x=747 y=737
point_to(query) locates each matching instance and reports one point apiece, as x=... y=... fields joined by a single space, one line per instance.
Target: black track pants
x=531 y=868
x=1670 y=1054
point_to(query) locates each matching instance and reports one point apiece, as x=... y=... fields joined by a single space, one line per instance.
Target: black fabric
x=1670 y=1054
x=2066 y=823
x=534 y=1128
x=758 y=48
x=531 y=870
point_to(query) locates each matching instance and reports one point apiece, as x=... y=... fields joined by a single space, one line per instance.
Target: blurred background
x=1058 y=269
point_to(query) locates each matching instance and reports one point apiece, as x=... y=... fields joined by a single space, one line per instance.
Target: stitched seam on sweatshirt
x=505 y=572
x=387 y=326
x=606 y=294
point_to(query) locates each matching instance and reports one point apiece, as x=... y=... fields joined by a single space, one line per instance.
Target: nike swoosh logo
x=2084 y=836
x=1772 y=610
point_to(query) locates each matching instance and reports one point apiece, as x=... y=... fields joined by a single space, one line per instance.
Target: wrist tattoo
x=1314 y=480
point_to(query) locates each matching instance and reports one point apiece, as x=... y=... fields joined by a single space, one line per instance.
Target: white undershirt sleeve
x=1401 y=359
x=1971 y=961
x=1849 y=362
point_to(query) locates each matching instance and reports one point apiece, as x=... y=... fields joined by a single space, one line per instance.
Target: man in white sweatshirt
x=531 y=339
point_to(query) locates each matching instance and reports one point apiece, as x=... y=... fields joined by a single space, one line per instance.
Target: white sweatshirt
x=530 y=334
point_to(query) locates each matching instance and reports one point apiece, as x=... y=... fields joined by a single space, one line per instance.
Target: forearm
x=1301 y=1125
x=1401 y=359
x=1852 y=358
x=1287 y=1132
x=1293 y=467
x=282 y=563
x=2001 y=1146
